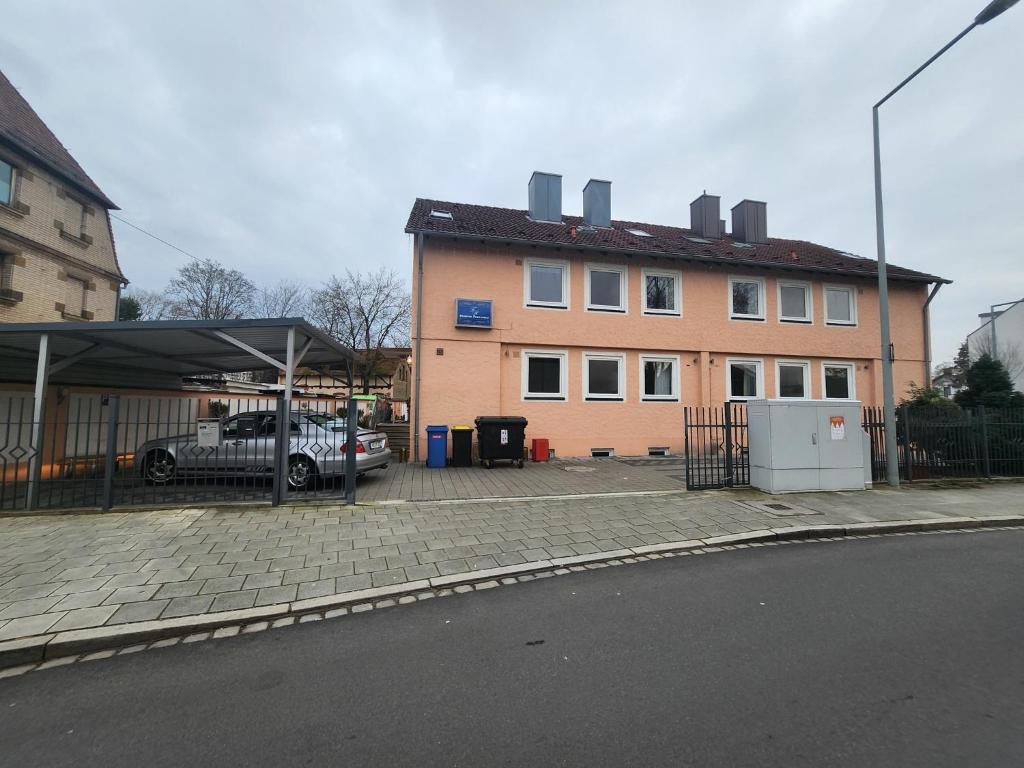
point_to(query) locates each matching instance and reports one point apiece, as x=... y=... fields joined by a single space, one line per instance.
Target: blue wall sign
x=473 y=313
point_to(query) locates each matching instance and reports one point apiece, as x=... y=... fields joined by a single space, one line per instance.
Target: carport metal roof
x=158 y=353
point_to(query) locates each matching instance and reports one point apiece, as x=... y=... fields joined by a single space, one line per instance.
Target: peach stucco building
x=600 y=332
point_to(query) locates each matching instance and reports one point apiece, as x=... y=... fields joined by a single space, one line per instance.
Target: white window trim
x=530 y=263
x=806 y=365
x=623 y=288
x=675 y=275
x=674 y=397
x=808 y=319
x=853 y=303
x=563 y=374
x=621 y=359
x=760 y=297
x=728 y=377
x=851 y=381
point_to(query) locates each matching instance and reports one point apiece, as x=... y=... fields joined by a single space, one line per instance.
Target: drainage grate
x=777 y=506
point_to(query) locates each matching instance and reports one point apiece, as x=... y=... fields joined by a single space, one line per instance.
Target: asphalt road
x=893 y=651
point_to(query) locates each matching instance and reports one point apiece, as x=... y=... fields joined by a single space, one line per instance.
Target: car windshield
x=326 y=421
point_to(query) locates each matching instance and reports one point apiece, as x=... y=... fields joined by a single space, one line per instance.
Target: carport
x=156 y=355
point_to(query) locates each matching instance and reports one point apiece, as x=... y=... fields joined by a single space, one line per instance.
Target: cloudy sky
x=289 y=140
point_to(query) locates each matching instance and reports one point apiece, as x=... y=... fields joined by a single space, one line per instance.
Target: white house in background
x=1008 y=324
x=944 y=382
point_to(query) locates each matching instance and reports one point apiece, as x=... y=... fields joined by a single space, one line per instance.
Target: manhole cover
x=777 y=506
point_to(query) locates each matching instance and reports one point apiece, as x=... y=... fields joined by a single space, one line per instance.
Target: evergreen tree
x=989 y=384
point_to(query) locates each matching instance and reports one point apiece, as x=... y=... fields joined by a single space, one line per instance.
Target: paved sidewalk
x=72 y=572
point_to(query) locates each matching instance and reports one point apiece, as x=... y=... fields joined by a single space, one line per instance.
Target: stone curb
x=39 y=648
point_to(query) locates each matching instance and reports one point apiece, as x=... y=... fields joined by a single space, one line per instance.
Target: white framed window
x=838 y=381
x=744 y=378
x=605 y=287
x=840 y=305
x=6 y=183
x=662 y=292
x=795 y=303
x=544 y=373
x=659 y=377
x=746 y=298
x=546 y=283
x=603 y=376
x=792 y=379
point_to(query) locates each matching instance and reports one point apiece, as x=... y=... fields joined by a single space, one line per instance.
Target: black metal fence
x=716 y=447
x=935 y=442
x=94 y=450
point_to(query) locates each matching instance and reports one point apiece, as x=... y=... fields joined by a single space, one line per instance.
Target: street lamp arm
x=924 y=66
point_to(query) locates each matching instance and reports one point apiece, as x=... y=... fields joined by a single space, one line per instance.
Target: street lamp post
x=892 y=470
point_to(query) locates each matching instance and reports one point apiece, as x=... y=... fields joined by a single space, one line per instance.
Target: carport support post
x=35 y=466
x=282 y=435
x=351 y=435
x=110 y=461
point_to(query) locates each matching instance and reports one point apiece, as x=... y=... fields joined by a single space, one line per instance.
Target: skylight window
x=696 y=239
x=742 y=245
x=436 y=214
x=639 y=232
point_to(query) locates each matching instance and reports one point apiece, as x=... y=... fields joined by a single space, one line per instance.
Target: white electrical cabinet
x=807 y=445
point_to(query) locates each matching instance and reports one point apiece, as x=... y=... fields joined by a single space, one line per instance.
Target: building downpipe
x=419 y=347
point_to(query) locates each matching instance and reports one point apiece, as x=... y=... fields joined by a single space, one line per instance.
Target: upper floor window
x=840 y=305
x=606 y=288
x=662 y=292
x=74 y=303
x=6 y=183
x=547 y=284
x=746 y=298
x=795 y=302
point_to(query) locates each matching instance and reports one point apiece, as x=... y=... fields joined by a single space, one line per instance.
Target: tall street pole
x=892 y=466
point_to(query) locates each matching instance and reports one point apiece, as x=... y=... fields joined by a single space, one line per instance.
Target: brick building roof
x=480 y=222
x=25 y=132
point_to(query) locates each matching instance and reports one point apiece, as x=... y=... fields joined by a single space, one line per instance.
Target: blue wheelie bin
x=437 y=446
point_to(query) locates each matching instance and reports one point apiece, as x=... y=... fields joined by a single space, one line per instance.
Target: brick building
x=57 y=258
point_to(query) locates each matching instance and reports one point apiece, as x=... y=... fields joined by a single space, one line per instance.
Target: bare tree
x=206 y=290
x=152 y=305
x=367 y=313
x=1009 y=354
x=285 y=299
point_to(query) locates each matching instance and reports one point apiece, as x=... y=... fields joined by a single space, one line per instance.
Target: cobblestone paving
x=78 y=571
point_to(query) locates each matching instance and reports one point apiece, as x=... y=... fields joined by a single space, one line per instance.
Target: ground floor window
x=838 y=381
x=659 y=377
x=792 y=379
x=544 y=375
x=603 y=377
x=744 y=379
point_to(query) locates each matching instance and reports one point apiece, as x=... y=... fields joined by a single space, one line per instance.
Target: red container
x=540 y=449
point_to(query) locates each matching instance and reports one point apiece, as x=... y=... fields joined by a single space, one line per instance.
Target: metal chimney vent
x=597 y=203
x=704 y=219
x=546 y=197
x=750 y=221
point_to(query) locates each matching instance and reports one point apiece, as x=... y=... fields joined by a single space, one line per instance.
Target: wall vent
x=601 y=453
x=657 y=452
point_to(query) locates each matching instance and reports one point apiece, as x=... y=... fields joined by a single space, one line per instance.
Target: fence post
x=110 y=461
x=686 y=445
x=727 y=423
x=908 y=458
x=282 y=436
x=986 y=464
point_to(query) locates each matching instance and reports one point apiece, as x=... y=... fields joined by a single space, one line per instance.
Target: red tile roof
x=480 y=222
x=25 y=132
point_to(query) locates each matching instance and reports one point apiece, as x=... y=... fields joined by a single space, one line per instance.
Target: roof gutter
x=57 y=171
x=655 y=254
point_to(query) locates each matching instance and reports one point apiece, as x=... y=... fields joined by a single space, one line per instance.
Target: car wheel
x=301 y=473
x=159 y=467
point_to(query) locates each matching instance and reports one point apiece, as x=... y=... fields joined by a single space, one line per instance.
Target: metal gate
x=715 y=441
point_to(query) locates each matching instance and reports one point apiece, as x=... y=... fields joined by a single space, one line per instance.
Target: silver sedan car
x=316 y=450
